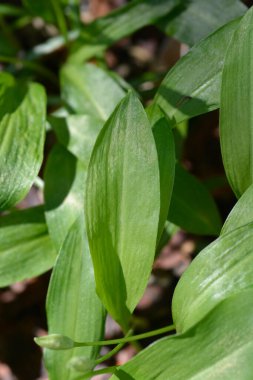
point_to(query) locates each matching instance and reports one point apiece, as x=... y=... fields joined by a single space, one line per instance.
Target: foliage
x=112 y=181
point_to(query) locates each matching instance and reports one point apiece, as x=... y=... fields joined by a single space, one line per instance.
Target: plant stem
x=113 y=351
x=99 y=372
x=133 y=338
x=60 y=19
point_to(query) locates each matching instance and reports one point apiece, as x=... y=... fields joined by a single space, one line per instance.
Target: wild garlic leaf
x=26 y=249
x=122 y=208
x=22 y=134
x=214 y=349
x=223 y=268
x=73 y=308
x=192 y=87
x=192 y=206
x=236 y=118
x=89 y=90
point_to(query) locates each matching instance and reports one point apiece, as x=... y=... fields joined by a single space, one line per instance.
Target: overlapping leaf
x=73 y=308
x=193 y=20
x=236 y=118
x=192 y=206
x=192 y=86
x=220 y=270
x=25 y=247
x=122 y=208
x=89 y=90
x=22 y=134
x=214 y=349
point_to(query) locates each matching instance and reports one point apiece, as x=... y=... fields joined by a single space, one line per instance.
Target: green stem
x=31 y=65
x=114 y=351
x=133 y=338
x=99 y=372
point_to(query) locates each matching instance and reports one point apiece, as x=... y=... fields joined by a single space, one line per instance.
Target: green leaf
x=220 y=270
x=73 y=308
x=236 y=119
x=22 y=134
x=196 y=19
x=241 y=214
x=192 y=86
x=105 y=31
x=192 y=206
x=122 y=208
x=77 y=133
x=89 y=90
x=42 y=8
x=25 y=247
x=166 y=158
x=219 y=347
x=64 y=192
x=11 y=10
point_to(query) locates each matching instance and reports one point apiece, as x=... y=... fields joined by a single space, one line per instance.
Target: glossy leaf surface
x=22 y=134
x=122 y=208
x=64 y=192
x=192 y=206
x=194 y=20
x=25 y=247
x=73 y=308
x=215 y=349
x=89 y=90
x=241 y=214
x=236 y=118
x=220 y=270
x=192 y=86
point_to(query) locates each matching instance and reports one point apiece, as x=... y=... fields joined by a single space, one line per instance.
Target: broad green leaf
x=22 y=134
x=192 y=206
x=192 y=86
x=220 y=270
x=89 y=90
x=77 y=133
x=105 y=31
x=25 y=247
x=219 y=347
x=73 y=308
x=236 y=118
x=166 y=158
x=196 y=19
x=122 y=208
x=241 y=214
x=64 y=192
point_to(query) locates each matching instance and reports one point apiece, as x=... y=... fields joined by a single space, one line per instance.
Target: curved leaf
x=89 y=90
x=22 y=135
x=192 y=206
x=192 y=86
x=220 y=270
x=73 y=308
x=214 y=349
x=26 y=249
x=122 y=208
x=241 y=214
x=236 y=118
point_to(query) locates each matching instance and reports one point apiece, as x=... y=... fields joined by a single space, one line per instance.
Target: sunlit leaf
x=89 y=90
x=73 y=308
x=215 y=349
x=236 y=119
x=25 y=247
x=192 y=86
x=22 y=133
x=220 y=270
x=122 y=208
